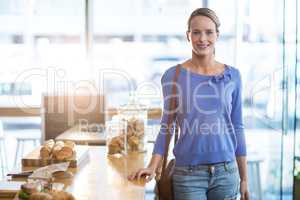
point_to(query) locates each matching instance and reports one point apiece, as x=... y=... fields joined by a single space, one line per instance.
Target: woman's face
x=202 y=35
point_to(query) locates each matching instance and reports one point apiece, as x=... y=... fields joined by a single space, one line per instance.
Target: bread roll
x=41 y=196
x=66 y=152
x=63 y=150
x=61 y=195
x=57 y=148
x=46 y=149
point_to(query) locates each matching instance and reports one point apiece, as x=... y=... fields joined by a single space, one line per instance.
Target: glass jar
x=134 y=116
x=126 y=130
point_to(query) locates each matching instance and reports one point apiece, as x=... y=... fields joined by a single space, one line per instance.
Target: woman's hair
x=207 y=13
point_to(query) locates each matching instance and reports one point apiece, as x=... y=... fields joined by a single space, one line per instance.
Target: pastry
x=46 y=149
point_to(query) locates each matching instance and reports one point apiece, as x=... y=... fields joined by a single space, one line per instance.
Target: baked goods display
x=131 y=137
x=57 y=150
x=51 y=195
x=38 y=191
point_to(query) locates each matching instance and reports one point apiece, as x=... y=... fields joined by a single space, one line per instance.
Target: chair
x=255 y=188
x=21 y=141
x=3 y=153
x=61 y=112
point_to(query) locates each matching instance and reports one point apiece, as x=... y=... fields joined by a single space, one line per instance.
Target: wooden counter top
x=94 y=138
x=83 y=137
x=105 y=177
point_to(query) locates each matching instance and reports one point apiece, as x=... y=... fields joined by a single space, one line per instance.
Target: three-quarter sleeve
x=166 y=83
x=237 y=118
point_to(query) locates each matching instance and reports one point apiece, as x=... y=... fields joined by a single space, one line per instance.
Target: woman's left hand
x=244 y=190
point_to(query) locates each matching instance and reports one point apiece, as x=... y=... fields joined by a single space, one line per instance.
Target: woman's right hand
x=147 y=173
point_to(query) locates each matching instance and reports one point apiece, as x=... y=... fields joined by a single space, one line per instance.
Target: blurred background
x=123 y=47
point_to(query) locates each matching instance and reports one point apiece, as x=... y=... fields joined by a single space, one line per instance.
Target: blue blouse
x=209 y=115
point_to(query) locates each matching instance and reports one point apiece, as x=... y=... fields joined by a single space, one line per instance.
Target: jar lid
x=132 y=105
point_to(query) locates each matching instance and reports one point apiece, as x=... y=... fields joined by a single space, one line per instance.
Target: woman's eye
x=209 y=32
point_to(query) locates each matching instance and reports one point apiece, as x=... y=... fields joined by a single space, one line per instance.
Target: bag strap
x=171 y=118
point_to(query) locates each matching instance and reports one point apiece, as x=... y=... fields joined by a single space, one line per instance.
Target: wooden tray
x=8 y=189
x=33 y=159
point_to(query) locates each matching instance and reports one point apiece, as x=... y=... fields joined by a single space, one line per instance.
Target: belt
x=212 y=166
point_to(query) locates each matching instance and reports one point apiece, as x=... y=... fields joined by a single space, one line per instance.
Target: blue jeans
x=206 y=182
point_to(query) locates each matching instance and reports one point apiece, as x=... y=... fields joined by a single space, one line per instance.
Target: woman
x=211 y=152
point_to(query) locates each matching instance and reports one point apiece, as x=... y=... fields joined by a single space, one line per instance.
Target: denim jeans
x=206 y=182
